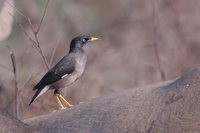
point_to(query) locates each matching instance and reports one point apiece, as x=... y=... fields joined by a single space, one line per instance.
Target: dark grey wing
x=65 y=66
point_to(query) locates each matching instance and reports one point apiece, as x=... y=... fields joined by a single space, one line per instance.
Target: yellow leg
x=59 y=102
x=65 y=101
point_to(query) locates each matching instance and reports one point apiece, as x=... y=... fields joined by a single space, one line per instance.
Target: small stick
x=12 y=56
x=34 y=41
x=45 y=9
x=53 y=54
x=5 y=67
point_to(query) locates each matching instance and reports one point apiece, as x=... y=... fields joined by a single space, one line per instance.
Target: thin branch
x=53 y=54
x=16 y=10
x=5 y=67
x=157 y=52
x=41 y=53
x=36 y=33
x=12 y=56
x=28 y=80
x=31 y=25
x=13 y=62
x=45 y=9
x=25 y=32
x=36 y=38
x=34 y=41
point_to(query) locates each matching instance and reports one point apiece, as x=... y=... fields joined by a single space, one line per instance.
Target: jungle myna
x=68 y=69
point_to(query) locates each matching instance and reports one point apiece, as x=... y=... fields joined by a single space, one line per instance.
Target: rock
x=172 y=106
x=9 y=124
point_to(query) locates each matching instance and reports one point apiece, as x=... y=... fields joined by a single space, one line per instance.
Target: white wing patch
x=64 y=76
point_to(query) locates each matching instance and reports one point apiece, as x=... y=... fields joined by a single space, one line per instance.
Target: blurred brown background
x=140 y=42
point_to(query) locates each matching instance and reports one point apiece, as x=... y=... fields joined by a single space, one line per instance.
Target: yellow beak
x=93 y=39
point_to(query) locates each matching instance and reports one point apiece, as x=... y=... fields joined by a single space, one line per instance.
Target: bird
x=67 y=70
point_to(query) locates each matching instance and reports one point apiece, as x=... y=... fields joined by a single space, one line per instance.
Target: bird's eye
x=83 y=40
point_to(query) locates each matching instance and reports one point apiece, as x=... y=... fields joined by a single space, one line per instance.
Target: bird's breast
x=80 y=65
x=79 y=68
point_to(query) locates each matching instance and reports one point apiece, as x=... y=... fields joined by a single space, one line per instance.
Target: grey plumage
x=68 y=69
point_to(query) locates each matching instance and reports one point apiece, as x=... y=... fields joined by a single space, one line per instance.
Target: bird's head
x=80 y=41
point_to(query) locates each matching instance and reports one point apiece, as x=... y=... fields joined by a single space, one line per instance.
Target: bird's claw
x=70 y=106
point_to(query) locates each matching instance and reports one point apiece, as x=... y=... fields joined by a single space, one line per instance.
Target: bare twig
x=157 y=53
x=41 y=53
x=36 y=44
x=34 y=41
x=37 y=31
x=45 y=9
x=53 y=53
x=26 y=33
x=16 y=10
x=28 y=80
x=12 y=56
x=5 y=67
x=159 y=61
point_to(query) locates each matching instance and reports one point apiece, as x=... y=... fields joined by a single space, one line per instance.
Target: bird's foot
x=65 y=101
x=59 y=103
x=70 y=105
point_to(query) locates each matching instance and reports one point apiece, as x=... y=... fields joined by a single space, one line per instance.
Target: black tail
x=36 y=94
x=39 y=85
x=39 y=88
